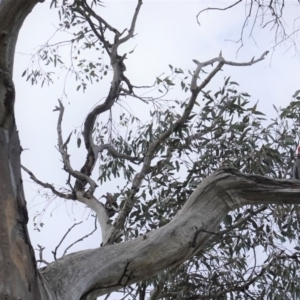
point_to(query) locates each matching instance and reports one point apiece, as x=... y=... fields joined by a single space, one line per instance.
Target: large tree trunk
x=19 y=277
x=96 y=272
x=18 y=273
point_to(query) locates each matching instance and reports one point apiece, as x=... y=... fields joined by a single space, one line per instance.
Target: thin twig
x=65 y=235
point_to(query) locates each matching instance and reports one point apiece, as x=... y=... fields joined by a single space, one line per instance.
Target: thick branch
x=111 y=267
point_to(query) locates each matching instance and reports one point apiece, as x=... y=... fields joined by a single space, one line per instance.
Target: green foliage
x=83 y=44
x=248 y=256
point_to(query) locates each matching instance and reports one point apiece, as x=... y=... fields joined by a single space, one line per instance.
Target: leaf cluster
x=247 y=257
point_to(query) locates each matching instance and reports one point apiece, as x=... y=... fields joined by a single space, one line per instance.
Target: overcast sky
x=167 y=33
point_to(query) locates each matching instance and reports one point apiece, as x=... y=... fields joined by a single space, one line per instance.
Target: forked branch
x=118 y=66
x=48 y=186
x=66 y=157
x=154 y=146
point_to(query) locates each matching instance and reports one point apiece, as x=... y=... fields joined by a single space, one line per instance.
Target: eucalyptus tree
x=207 y=183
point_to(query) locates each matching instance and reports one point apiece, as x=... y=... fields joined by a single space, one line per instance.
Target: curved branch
x=12 y=16
x=114 y=266
x=117 y=63
x=99 y=210
x=216 y=8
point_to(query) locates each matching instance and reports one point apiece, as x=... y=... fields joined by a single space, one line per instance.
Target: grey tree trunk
x=19 y=277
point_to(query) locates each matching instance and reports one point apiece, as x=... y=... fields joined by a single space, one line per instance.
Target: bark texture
x=19 y=278
x=95 y=272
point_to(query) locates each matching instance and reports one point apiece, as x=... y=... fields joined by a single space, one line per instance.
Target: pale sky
x=167 y=33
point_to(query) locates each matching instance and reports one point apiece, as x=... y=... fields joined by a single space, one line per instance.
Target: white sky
x=167 y=34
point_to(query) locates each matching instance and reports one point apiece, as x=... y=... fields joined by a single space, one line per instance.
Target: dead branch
x=133 y=23
x=81 y=239
x=65 y=235
x=222 y=62
x=216 y=8
x=66 y=157
x=265 y=14
x=48 y=186
x=99 y=209
x=41 y=260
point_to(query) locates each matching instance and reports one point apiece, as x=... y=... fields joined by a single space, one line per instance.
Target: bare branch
x=82 y=238
x=65 y=235
x=216 y=8
x=133 y=23
x=195 y=90
x=270 y=13
x=65 y=155
x=222 y=62
x=41 y=260
x=48 y=185
x=250 y=63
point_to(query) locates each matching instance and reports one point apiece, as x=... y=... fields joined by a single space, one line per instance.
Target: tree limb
x=109 y=268
x=114 y=153
x=195 y=90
